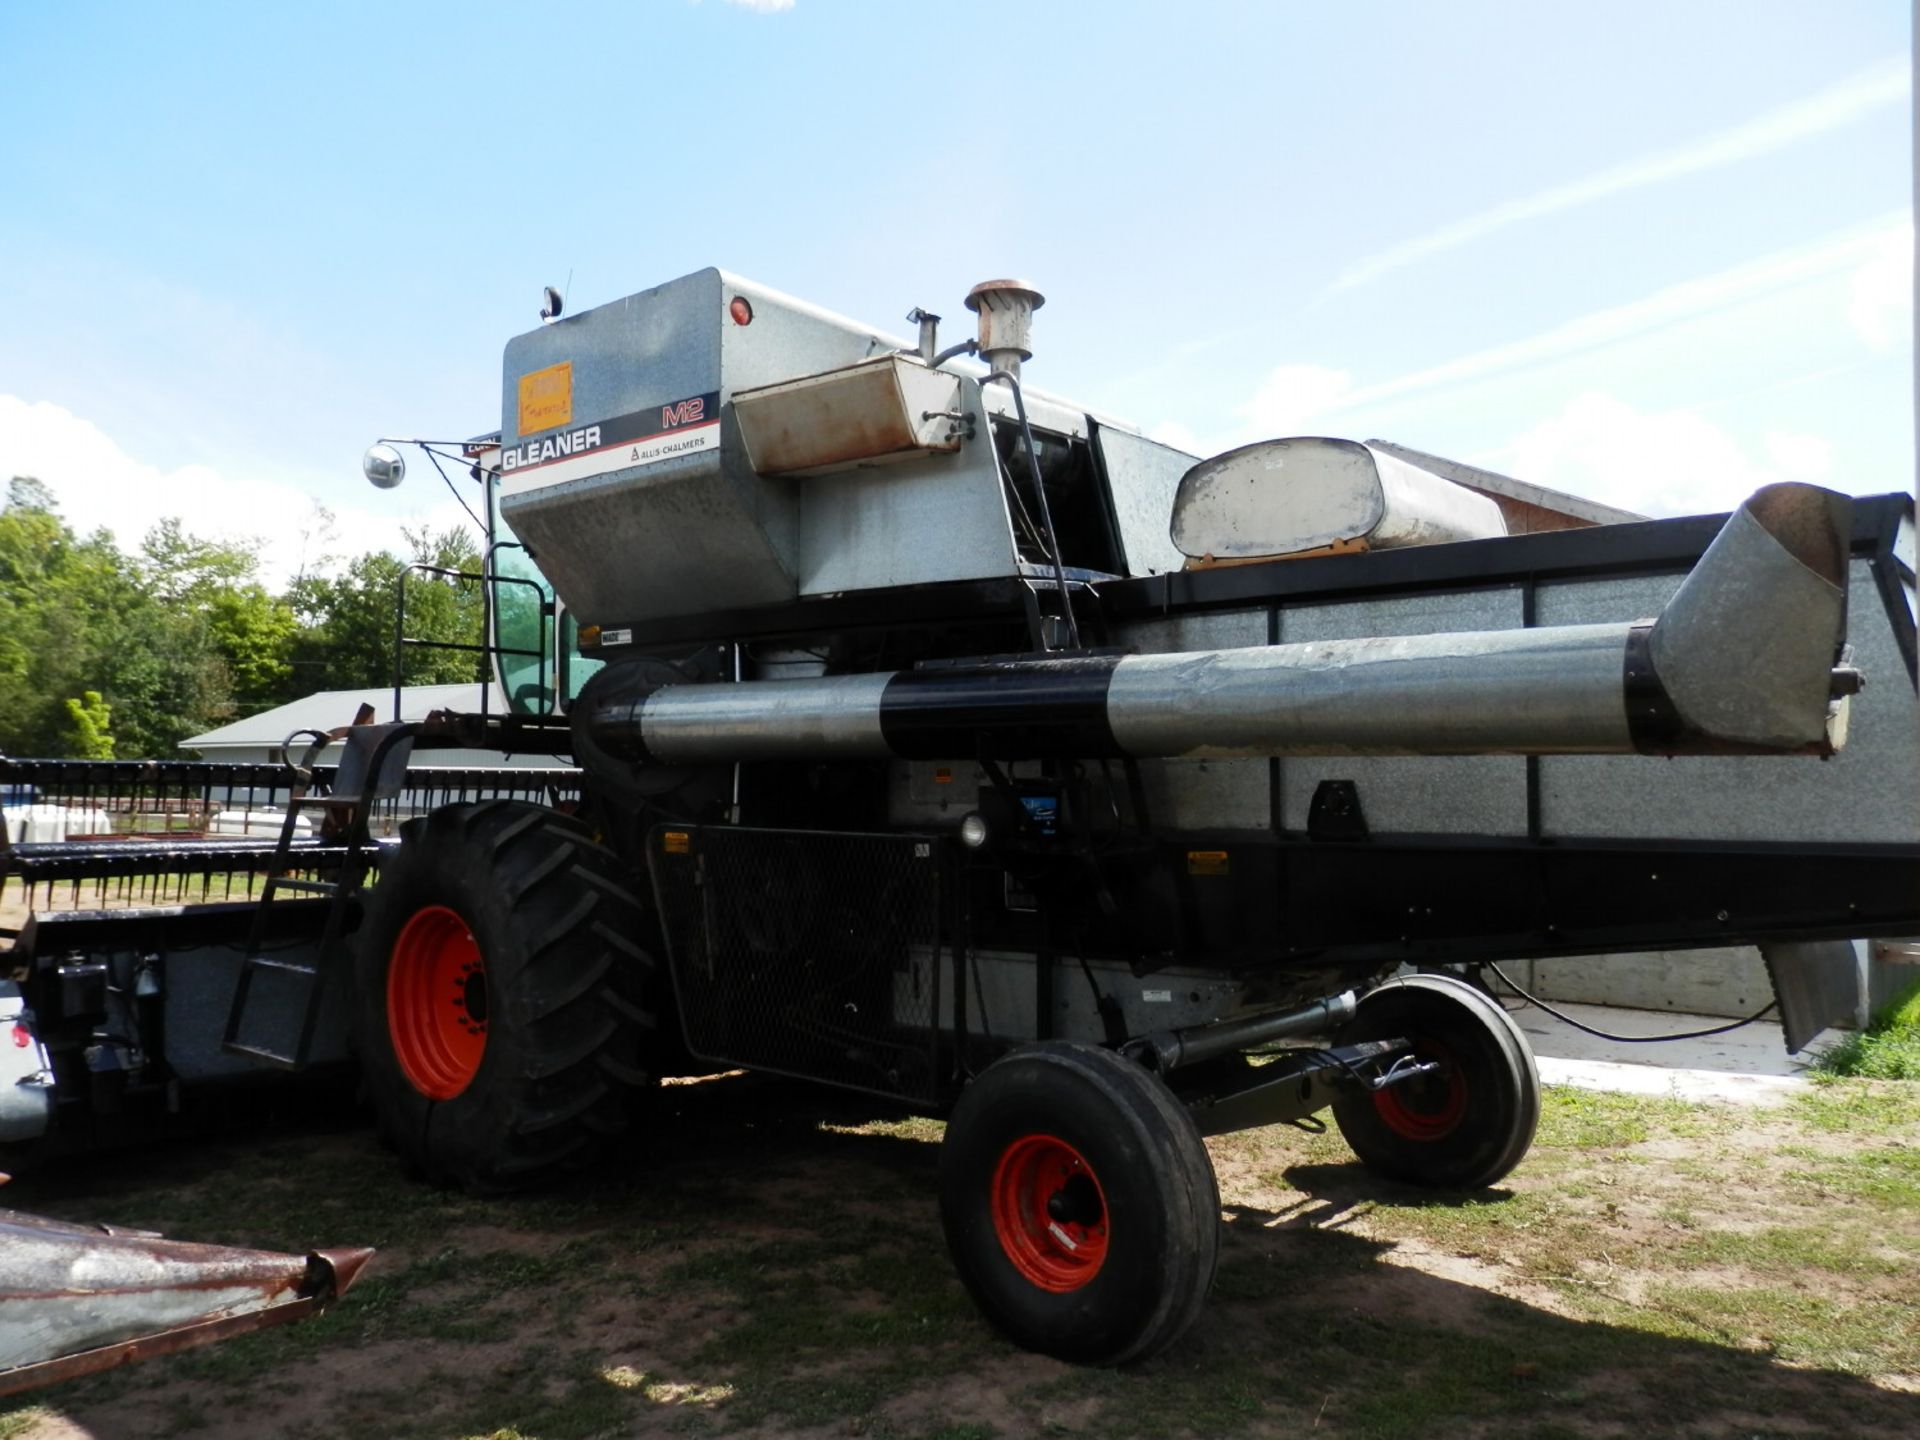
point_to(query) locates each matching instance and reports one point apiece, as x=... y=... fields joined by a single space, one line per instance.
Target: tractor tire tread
x=1504 y=1104
x=567 y=1011
x=1144 y=1298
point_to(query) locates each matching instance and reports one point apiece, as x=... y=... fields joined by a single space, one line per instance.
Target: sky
x=1654 y=254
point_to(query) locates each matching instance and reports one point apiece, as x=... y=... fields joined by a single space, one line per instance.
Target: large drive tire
x=1079 y=1204
x=1466 y=1124
x=498 y=1007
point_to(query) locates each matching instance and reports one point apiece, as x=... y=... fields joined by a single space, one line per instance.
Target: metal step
x=284 y=967
x=308 y=887
x=367 y=771
x=265 y=1056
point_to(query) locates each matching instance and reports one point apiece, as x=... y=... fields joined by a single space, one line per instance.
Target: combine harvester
x=939 y=739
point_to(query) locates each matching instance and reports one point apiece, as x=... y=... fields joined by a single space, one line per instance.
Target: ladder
x=372 y=768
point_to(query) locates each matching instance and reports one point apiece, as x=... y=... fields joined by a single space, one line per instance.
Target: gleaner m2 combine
x=939 y=739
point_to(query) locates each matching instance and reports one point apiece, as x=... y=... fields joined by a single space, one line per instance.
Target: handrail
x=401 y=640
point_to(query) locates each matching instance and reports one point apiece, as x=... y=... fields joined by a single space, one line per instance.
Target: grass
x=1842 y=1107
x=1888 y=1049
x=772 y=1263
x=1882 y=1177
x=1854 y=1338
x=19 y=1422
x=1598 y=1120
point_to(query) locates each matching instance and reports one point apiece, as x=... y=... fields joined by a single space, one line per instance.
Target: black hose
x=1567 y=1019
x=965 y=347
x=1040 y=489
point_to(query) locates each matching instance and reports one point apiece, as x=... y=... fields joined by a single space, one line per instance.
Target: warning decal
x=546 y=398
x=1208 y=862
x=645 y=437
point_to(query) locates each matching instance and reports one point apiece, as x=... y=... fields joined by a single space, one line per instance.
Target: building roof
x=325 y=709
x=1493 y=483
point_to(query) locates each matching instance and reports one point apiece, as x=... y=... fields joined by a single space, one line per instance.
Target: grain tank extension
x=939 y=738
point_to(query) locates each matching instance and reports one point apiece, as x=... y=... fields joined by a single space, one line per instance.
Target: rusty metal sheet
x=891 y=408
x=76 y=1299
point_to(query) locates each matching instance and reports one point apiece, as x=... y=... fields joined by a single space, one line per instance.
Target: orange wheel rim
x=1428 y=1107
x=1050 y=1213
x=437 y=1003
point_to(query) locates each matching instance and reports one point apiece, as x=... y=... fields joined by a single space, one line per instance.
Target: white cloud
x=99 y=486
x=1293 y=396
x=1667 y=462
x=1671 y=306
x=1878 y=86
x=1673 y=462
x=763 y=7
x=1880 y=307
x=1799 y=456
x=1179 y=436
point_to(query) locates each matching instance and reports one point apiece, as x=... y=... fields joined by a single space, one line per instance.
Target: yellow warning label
x=546 y=398
x=676 y=842
x=1207 y=862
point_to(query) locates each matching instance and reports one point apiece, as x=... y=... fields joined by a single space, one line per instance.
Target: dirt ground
x=768 y=1262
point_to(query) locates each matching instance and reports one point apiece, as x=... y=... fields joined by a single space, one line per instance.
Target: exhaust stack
x=1005 y=308
x=1741 y=661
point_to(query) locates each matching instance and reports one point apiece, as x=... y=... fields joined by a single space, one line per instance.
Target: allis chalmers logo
x=687 y=412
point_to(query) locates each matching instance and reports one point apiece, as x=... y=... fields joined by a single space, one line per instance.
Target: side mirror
x=383 y=467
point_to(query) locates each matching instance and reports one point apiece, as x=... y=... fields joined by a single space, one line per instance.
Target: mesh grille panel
x=808 y=953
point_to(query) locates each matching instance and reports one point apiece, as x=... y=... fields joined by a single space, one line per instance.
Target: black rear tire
x=1079 y=1204
x=499 y=988
x=1464 y=1126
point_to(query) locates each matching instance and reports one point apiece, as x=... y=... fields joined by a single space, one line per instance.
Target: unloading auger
x=1742 y=660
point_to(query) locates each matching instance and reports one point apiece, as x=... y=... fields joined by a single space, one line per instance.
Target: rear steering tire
x=1462 y=1126
x=1079 y=1204
x=498 y=996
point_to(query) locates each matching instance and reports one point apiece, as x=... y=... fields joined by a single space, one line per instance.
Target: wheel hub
x=1428 y=1106
x=1049 y=1213
x=437 y=1002
x=1077 y=1202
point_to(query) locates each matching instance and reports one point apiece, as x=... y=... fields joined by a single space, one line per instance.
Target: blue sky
x=1654 y=253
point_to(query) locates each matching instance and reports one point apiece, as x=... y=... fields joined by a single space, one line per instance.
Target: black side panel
x=825 y=956
x=1293 y=909
x=1409 y=901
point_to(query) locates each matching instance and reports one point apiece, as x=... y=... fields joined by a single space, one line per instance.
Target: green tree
x=89 y=728
x=253 y=634
x=184 y=570
x=348 y=623
x=183 y=635
x=62 y=600
x=173 y=639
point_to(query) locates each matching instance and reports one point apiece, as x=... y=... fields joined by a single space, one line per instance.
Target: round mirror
x=383 y=467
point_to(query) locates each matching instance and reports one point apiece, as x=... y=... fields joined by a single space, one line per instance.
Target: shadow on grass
x=1309 y=1314
x=773 y=1251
